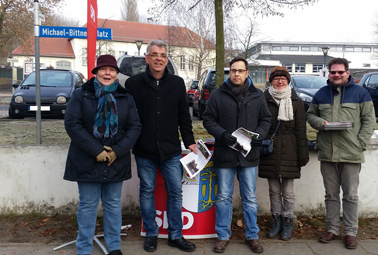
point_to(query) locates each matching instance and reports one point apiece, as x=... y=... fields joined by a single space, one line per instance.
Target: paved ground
x=204 y=246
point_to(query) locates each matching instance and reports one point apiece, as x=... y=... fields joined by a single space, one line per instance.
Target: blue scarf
x=106 y=120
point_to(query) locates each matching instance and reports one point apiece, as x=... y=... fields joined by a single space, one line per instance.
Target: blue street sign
x=73 y=32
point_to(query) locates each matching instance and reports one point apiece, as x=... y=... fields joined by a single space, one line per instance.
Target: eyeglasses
x=155 y=55
x=234 y=71
x=339 y=72
x=280 y=79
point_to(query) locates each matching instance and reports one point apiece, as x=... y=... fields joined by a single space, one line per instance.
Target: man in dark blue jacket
x=237 y=103
x=163 y=110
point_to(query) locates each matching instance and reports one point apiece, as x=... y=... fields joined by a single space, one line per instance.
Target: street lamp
x=325 y=52
x=139 y=44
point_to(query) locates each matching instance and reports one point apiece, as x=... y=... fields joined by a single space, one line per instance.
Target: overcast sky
x=325 y=21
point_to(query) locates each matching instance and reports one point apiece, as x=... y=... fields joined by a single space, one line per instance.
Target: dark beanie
x=279 y=71
x=105 y=60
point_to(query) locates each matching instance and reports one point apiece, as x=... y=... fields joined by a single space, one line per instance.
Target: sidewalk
x=204 y=246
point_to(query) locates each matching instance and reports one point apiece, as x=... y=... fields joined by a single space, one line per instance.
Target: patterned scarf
x=106 y=120
x=283 y=99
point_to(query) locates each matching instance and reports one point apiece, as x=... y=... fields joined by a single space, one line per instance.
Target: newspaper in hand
x=243 y=142
x=194 y=163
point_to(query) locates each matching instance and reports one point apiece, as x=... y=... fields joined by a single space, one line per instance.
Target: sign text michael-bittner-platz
x=73 y=32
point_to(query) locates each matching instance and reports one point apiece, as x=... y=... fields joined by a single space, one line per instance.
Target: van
x=132 y=65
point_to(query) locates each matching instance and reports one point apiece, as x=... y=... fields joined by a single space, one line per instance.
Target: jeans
x=89 y=198
x=282 y=197
x=223 y=205
x=346 y=176
x=172 y=171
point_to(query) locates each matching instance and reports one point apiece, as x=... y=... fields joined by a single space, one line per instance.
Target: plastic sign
x=73 y=32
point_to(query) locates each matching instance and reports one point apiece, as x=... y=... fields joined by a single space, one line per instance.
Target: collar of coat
x=149 y=77
x=251 y=89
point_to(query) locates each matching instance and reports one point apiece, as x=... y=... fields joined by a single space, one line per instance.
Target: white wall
x=32 y=181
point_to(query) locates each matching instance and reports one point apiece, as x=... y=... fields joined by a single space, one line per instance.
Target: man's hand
x=103 y=156
x=111 y=153
x=228 y=139
x=325 y=123
x=257 y=141
x=193 y=148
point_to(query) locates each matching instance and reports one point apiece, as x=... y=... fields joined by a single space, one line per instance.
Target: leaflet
x=338 y=126
x=243 y=142
x=194 y=163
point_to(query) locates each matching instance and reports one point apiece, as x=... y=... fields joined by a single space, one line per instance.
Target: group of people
x=105 y=121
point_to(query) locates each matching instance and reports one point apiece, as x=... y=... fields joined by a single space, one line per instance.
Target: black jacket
x=290 y=143
x=223 y=113
x=163 y=110
x=79 y=120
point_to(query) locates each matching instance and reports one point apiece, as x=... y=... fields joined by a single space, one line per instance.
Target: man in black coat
x=237 y=103
x=163 y=110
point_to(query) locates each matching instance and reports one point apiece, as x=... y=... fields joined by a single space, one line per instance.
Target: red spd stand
x=198 y=210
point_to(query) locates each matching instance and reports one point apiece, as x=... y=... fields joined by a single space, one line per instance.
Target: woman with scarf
x=103 y=124
x=290 y=150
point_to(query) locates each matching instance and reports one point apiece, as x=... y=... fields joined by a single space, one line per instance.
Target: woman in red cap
x=103 y=124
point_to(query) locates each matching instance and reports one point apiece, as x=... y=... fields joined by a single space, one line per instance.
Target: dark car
x=205 y=86
x=131 y=65
x=57 y=87
x=370 y=82
x=191 y=91
x=306 y=86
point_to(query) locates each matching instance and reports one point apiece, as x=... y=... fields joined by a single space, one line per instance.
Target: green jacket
x=350 y=103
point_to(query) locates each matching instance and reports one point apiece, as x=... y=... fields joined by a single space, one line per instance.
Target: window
x=266 y=48
x=315 y=49
x=349 y=49
x=63 y=64
x=288 y=66
x=372 y=81
x=191 y=60
x=365 y=65
x=300 y=68
x=305 y=48
x=84 y=56
x=357 y=49
x=276 y=48
x=78 y=80
x=120 y=53
x=285 y=48
x=182 y=62
x=294 y=48
x=375 y=49
x=366 y=49
x=316 y=68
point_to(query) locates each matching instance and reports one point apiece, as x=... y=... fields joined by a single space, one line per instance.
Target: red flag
x=91 y=35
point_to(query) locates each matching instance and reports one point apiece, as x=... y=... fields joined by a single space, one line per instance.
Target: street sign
x=73 y=32
x=10 y=60
x=41 y=17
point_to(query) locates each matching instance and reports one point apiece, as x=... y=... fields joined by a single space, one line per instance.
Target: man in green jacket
x=340 y=152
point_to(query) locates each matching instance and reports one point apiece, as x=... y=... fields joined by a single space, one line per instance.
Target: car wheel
x=13 y=115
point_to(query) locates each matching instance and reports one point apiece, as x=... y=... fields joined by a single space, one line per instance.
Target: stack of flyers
x=338 y=126
x=194 y=163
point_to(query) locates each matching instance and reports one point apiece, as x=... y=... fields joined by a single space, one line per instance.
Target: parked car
x=370 y=82
x=132 y=65
x=306 y=86
x=206 y=85
x=56 y=86
x=191 y=91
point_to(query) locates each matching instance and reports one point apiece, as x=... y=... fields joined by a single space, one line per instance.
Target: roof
x=123 y=31
x=315 y=59
x=48 y=47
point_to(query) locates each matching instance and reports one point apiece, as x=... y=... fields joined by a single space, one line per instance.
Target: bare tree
x=16 y=22
x=58 y=19
x=129 y=10
x=262 y=7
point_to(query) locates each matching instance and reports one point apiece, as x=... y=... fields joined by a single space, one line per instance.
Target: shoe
x=350 y=242
x=327 y=238
x=277 y=226
x=220 y=246
x=182 y=244
x=287 y=229
x=255 y=246
x=150 y=243
x=115 y=252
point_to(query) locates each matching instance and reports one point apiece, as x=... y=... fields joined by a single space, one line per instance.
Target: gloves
x=103 y=156
x=228 y=139
x=303 y=161
x=111 y=153
x=257 y=141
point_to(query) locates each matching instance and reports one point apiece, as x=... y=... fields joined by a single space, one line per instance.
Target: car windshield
x=211 y=79
x=310 y=82
x=50 y=79
x=131 y=66
x=194 y=85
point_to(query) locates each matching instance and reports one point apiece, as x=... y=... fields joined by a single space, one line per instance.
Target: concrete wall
x=32 y=181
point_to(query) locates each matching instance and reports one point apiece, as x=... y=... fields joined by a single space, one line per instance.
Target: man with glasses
x=340 y=152
x=237 y=103
x=163 y=110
